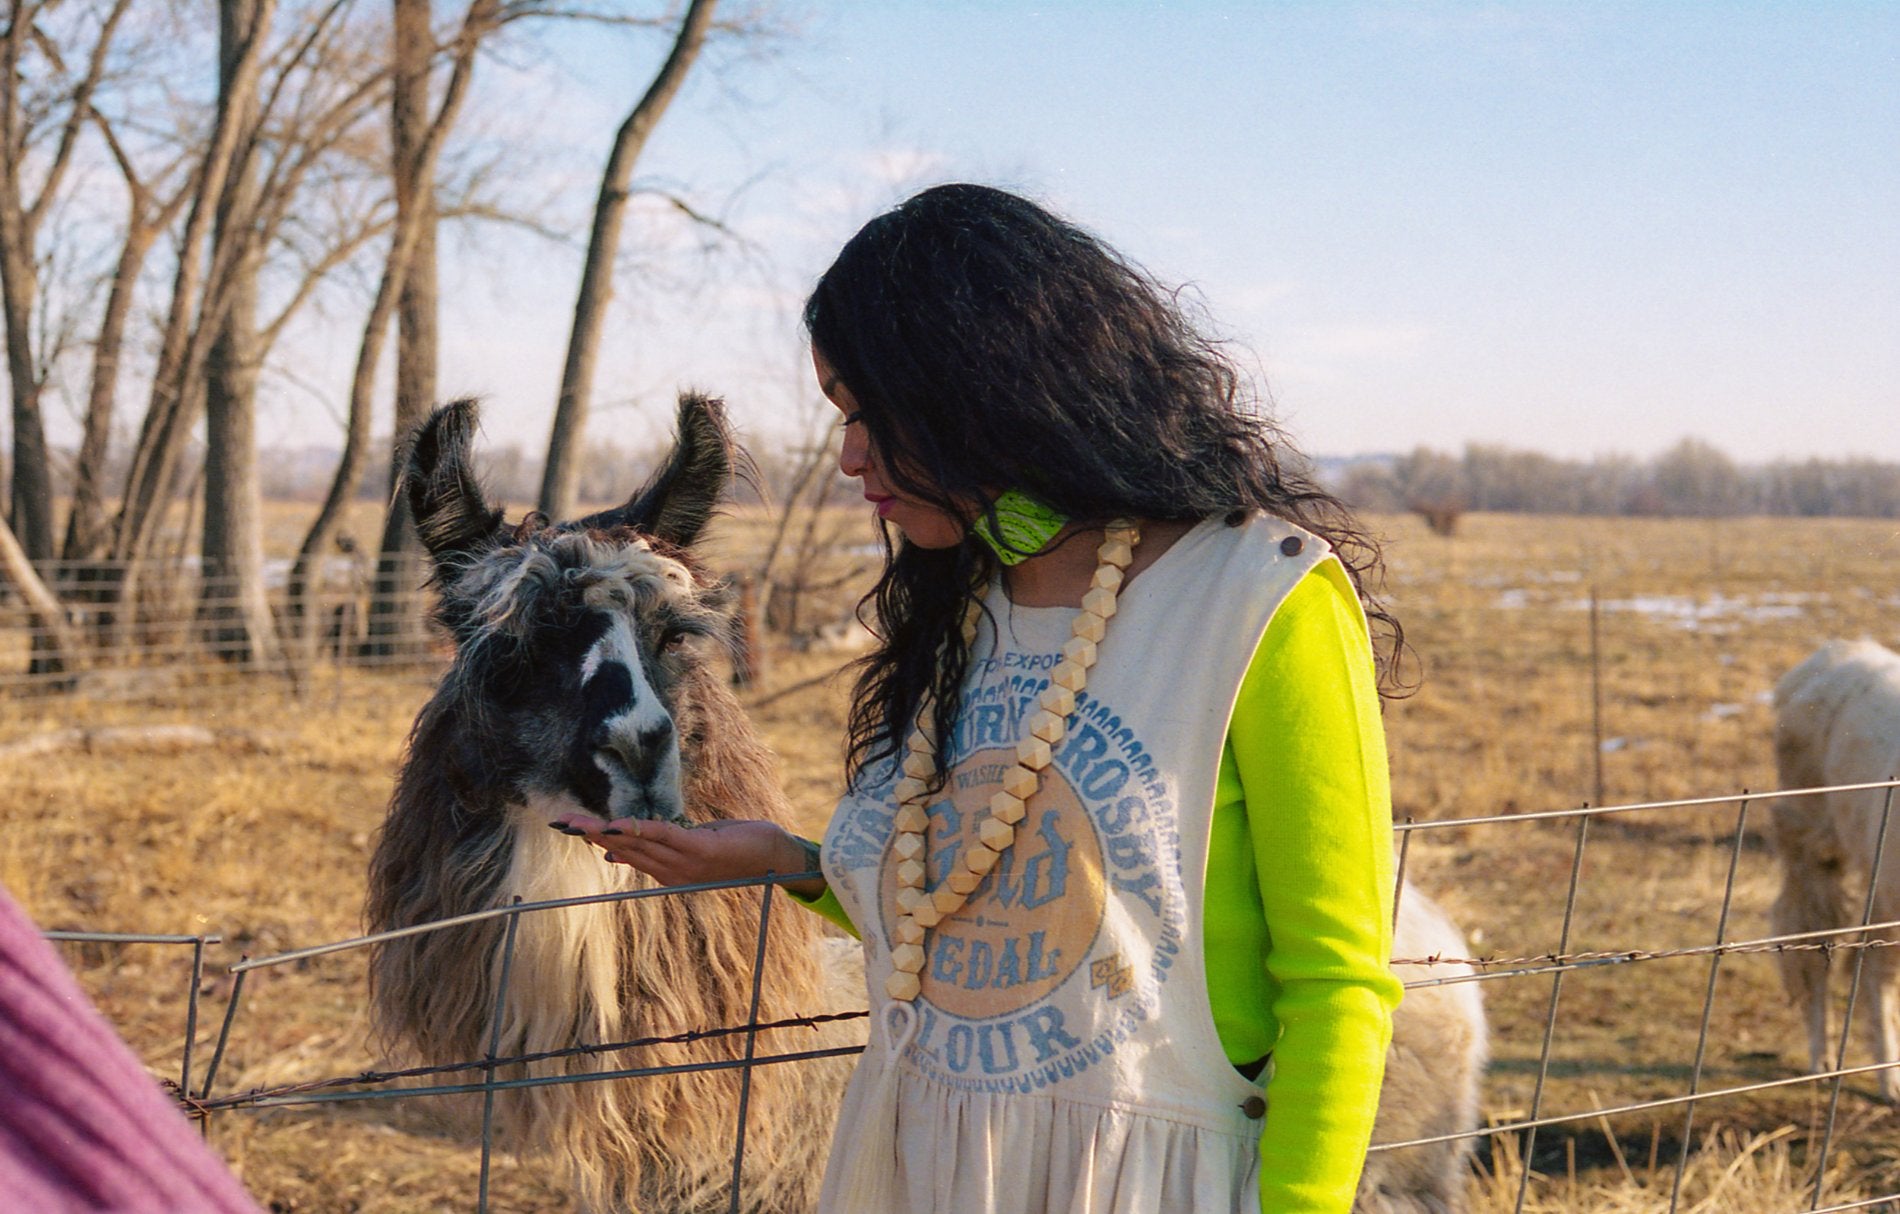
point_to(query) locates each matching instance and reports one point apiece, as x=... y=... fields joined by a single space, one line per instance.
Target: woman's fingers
x=599 y=831
x=578 y=824
x=674 y=854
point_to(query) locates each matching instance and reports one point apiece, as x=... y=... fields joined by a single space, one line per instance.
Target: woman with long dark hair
x=1117 y=827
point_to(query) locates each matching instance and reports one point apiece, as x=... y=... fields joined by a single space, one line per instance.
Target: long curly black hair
x=990 y=344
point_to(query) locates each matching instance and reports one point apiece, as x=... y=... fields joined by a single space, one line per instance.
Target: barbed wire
x=1546 y=963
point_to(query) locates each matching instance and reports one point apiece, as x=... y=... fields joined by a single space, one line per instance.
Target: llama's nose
x=640 y=750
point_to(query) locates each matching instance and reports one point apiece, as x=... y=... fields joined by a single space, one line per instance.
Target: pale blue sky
x=1577 y=228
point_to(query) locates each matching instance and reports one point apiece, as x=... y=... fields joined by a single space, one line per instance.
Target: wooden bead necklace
x=919 y=911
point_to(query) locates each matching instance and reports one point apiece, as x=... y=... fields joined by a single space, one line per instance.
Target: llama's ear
x=679 y=501
x=451 y=514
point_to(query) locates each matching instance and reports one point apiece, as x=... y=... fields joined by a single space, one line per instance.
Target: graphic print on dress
x=1061 y=951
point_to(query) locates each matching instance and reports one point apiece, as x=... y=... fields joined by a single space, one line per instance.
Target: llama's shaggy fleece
x=581 y=681
x=1837 y=721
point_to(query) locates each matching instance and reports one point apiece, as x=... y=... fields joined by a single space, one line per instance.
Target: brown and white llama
x=1837 y=721
x=581 y=681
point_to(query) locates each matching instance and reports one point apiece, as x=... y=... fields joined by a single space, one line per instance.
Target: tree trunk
x=91 y=579
x=86 y=528
x=590 y=308
x=306 y=575
x=31 y=507
x=23 y=134
x=413 y=150
x=234 y=617
x=195 y=314
x=31 y=504
x=54 y=641
x=234 y=612
x=396 y=623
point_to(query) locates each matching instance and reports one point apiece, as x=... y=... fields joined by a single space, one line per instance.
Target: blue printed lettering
x=986 y=1047
x=944 y=962
x=1037 y=969
x=957 y=1047
x=1003 y=883
x=1046 y=874
x=1145 y=888
x=1047 y=1036
x=946 y=840
x=987 y=725
x=926 y=1027
x=1131 y=851
x=1104 y=780
x=1085 y=746
x=1009 y=967
x=1118 y=817
x=979 y=967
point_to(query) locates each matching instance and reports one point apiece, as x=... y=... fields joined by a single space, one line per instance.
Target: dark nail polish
x=612 y=830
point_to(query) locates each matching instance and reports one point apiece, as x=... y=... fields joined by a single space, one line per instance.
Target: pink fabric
x=83 y=1128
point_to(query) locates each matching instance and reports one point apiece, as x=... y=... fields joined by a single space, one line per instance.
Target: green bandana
x=1022 y=526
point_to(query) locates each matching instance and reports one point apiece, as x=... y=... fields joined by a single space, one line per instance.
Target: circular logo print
x=1031 y=922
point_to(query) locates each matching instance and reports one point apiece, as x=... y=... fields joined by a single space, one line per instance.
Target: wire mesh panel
x=1638 y=1031
x=135 y=629
x=1636 y=1008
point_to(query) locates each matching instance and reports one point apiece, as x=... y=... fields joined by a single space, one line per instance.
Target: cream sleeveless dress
x=1065 y=1057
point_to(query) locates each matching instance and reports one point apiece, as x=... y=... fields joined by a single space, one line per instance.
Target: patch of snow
x=1692 y=613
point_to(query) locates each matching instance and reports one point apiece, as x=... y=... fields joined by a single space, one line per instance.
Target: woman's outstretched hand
x=727 y=850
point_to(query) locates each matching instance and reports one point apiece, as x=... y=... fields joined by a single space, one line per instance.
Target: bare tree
x=151 y=207
x=198 y=298
x=235 y=616
x=808 y=489
x=286 y=120
x=33 y=114
x=596 y=289
x=409 y=284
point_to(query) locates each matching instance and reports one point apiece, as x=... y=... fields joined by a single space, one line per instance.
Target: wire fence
x=132 y=629
x=1853 y=941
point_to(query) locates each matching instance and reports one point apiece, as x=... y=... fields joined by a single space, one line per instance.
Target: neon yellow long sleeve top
x=1298 y=893
x=1298 y=907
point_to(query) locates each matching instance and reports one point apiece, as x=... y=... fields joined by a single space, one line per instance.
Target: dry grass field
x=263 y=838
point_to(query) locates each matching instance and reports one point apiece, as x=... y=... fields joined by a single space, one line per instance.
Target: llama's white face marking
x=635 y=744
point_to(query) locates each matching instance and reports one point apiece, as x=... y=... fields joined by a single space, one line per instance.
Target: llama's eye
x=672 y=639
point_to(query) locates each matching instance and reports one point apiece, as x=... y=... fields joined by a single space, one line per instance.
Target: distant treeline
x=1692 y=478
x=607 y=471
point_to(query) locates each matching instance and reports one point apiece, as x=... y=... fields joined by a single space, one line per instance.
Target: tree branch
x=75 y=121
